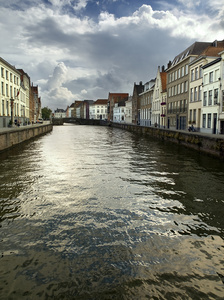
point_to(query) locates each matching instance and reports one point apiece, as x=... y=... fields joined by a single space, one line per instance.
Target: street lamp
x=12 y=106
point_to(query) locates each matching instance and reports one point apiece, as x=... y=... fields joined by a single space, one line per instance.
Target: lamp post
x=12 y=106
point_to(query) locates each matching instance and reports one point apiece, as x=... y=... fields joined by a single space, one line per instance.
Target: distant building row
x=188 y=93
x=18 y=97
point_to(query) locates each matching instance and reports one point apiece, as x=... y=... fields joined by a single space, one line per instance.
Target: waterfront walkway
x=22 y=127
x=210 y=135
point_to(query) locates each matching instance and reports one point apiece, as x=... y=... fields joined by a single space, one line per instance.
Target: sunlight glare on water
x=99 y=213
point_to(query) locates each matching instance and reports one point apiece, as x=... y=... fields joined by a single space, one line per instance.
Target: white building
x=59 y=113
x=98 y=109
x=221 y=94
x=119 y=112
x=12 y=95
x=211 y=108
x=128 y=111
x=159 y=99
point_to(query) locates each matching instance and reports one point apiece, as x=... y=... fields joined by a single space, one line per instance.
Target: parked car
x=40 y=121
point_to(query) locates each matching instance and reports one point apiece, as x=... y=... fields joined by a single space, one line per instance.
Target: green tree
x=46 y=113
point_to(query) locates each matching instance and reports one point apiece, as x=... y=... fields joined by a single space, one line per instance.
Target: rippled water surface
x=99 y=213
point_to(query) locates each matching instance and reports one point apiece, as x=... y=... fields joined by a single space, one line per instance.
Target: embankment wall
x=14 y=136
x=209 y=144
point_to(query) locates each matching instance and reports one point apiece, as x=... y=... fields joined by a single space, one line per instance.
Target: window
x=222 y=101
x=186 y=86
x=185 y=105
x=7 y=90
x=192 y=74
x=186 y=69
x=205 y=99
x=3 y=107
x=2 y=86
x=210 y=97
x=217 y=75
x=195 y=93
x=182 y=71
x=7 y=108
x=216 y=94
x=209 y=120
x=194 y=115
x=205 y=78
x=2 y=72
x=178 y=73
x=196 y=73
x=211 y=77
x=178 y=89
x=192 y=91
x=199 y=93
x=200 y=72
x=11 y=77
x=6 y=74
x=204 y=121
x=182 y=87
x=190 y=115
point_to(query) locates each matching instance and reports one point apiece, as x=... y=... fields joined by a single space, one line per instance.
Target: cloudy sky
x=84 y=49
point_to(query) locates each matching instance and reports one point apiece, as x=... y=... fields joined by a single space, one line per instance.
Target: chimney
x=140 y=83
x=163 y=68
x=169 y=64
x=215 y=43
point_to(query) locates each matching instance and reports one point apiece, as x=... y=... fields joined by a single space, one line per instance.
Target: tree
x=46 y=113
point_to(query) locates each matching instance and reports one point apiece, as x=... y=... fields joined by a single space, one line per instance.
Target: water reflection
x=100 y=213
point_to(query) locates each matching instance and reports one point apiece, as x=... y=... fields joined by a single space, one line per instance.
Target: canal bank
x=209 y=144
x=10 y=137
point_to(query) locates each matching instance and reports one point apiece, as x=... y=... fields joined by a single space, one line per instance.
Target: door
x=214 y=123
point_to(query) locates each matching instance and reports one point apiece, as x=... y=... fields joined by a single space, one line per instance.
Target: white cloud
x=72 y=57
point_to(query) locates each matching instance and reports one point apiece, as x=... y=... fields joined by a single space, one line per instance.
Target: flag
x=18 y=93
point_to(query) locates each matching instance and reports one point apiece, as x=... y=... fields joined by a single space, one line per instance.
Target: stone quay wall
x=212 y=144
x=14 y=136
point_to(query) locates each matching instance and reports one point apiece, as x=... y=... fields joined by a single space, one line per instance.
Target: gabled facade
x=145 y=99
x=137 y=90
x=159 y=99
x=178 y=86
x=112 y=99
x=98 y=109
x=25 y=97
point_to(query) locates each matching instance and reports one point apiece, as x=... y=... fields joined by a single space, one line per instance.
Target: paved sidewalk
x=16 y=128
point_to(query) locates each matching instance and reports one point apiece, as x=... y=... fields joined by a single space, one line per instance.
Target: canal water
x=99 y=213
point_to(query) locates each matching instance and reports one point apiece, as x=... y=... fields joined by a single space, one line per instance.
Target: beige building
x=196 y=85
x=178 y=86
